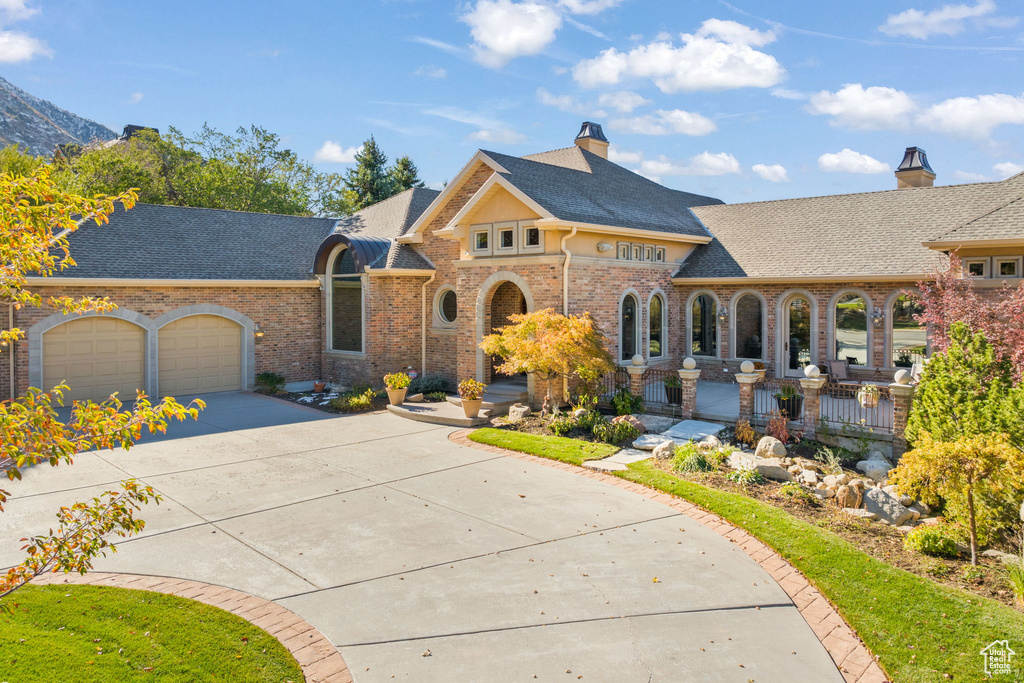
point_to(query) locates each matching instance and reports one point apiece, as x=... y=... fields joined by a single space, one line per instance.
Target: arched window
x=851 y=329
x=346 y=304
x=628 y=328
x=909 y=337
x=656 y=327
x=749 y=326
x=704 y=326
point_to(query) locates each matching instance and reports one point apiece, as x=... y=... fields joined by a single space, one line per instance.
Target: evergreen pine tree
x=370 y=180
x=405 y=175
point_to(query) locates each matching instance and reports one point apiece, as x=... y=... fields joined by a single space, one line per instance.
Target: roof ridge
x=254 y=213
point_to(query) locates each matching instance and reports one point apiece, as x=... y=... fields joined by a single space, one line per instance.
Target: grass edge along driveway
x=920 y=631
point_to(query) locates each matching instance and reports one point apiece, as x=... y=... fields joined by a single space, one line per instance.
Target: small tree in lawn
x=549 y=345
x=968 y=474
x=34 y=221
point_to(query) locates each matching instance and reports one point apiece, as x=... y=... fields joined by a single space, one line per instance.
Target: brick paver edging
x=846 y=649
x=320 y=660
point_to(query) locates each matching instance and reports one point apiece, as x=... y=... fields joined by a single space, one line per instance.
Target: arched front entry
x=502 y=294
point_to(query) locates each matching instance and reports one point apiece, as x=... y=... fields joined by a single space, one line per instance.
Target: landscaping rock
x=664 y=450
x=857 y=484
x=809 y=477
x=709 y=444
x=1005 y=558
x=886 y=507
x=579 y=412
x=834 y=481
x=922 y=508
x=794 y=469
x=848 y=496
x=770 y=447
x=824 y=494
x=517 y=412
x=772 y=468
x=740 y=460
x=904 y=499
x=415 y=398
x=655 y=424
x=648 y=442
x=808 y=464
x=875 y=469
x=861 y=513
x=929 y=520
x=631 y=420
x=907 y=528
x=914 y=514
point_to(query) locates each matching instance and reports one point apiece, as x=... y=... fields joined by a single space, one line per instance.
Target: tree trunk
x=974 y=527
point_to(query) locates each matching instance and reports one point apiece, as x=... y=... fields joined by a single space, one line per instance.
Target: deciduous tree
x=35 y=218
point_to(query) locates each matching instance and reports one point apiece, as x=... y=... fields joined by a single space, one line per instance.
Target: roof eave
x=838 y=277
x=557 y=224
x=949 y=245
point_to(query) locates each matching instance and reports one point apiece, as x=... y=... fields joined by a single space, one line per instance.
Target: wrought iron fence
x=660 y=397
x=767 y=399
x=855 y=408
x=610 y=384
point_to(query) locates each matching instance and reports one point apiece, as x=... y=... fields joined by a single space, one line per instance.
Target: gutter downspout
x=423 y=323
x=565 y=293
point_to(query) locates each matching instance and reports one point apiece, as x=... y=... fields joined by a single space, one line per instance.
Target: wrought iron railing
x=767 y=400
x=659 y=397
x=609 y=385
x=854 y=409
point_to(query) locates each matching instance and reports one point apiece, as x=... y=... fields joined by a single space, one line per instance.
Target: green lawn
x=921 y=630
x=572 y=451
x=79 y=634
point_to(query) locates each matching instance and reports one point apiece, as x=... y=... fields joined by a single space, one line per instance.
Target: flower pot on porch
x=472 y=407
x=318 y=387
x=760 y=374
x=791 y=406
x=674 y=395
x=867 y=399
x=397 y=396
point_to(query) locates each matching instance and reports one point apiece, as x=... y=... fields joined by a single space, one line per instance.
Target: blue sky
x=743 y=101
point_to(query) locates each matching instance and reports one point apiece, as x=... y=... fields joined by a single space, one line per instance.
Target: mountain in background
x=39 y=125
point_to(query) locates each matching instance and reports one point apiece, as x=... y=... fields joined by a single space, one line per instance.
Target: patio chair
x=839 y=374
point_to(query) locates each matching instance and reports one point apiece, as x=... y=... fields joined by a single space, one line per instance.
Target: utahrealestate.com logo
x=998 y=656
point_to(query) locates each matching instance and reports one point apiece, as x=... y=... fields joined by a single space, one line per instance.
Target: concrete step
x=438 y=414
x=494 y=405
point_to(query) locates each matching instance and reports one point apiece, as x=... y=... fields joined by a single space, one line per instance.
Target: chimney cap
x=915 y=159
x=592 y=131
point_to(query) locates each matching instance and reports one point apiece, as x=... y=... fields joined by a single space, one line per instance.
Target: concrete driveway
x=426 y=561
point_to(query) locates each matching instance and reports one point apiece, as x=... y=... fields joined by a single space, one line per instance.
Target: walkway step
x=494 y=405
x=629 y=455
x=439 y=414
x=604 y=465
x=692 y=430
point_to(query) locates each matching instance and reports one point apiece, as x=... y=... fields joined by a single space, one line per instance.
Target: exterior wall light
x=723 y=314
x=878 y=316
x=258 y=331
x=604 y=246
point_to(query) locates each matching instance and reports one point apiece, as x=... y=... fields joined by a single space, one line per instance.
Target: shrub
x=830 y=461
x=746 y=476
x=436 y=397
x=355 y=402
x=690 y=459
x=562 y=424
x=744 y=433
x=430 y=384
x=1015 y=577
x=589 y=419
x=397 y=380
x=931 y=539
x=269 y=382
x=614 y=432
x=791 y=489
x=625 y=403
x=778 y=427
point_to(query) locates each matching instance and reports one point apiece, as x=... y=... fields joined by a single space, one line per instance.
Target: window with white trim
x=1007 y=267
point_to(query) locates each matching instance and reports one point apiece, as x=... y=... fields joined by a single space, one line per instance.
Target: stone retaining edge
x=319 y=658
x=848 y=651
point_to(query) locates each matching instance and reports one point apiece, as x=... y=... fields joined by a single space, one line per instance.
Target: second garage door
x=96 y=356
x=200 y=354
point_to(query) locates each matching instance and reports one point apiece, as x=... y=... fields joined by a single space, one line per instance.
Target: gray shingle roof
x=874 y=233
x=174 y=242
x=391 y=217
x=402 y=256
x=1004 y=222
x=576 y=185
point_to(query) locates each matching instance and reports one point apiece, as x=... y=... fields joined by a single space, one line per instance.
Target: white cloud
x=776 y=173
x=438 y=44
x=704 y=164
x=664 y=122
x=719 y=56
x=503 y=30
x=855 y=106
x=333 y=153
x=135 y=98
x=588 y=6
x=787 y=94
x=970 y=177
x=1007 y=169
x=504 y=135
x=973 y=117
x=948 y=20
x=624 y=101
x=430 y=71
x=489 y=129
x=622 y=156
x=849 y=161
x=15 y=10
x=20 y=47
x=568 y=103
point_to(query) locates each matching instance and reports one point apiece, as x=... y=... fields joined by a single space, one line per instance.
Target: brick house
x=208 y=299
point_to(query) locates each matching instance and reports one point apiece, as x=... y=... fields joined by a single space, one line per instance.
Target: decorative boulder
x=861 y=513
x=809 y=477
x=848 y=496
x=857 y=484
x=922 y=508
x=709 y=444
x=656 y=424
x=824 y=494
x=665 y=450
x=740 y=460
x=876 y=469
x=770 y=447
x=772 y=468
x=887 y=507
x=415 y=398
x=517 y=412
x=834 y=481
x=631 y=419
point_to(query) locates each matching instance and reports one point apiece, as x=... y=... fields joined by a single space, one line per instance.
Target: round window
x=449 y=306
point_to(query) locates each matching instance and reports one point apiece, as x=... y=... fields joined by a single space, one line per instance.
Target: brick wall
x=290 y=317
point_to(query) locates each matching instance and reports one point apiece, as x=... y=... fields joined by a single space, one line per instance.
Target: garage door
x=96 y=356
x=200 y=354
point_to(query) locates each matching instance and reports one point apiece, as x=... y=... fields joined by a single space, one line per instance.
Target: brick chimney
x=592 y=139
x=914 y=170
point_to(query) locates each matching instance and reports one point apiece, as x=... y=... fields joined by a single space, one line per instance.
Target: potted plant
x=471 y=392
x=868 y=395
x=674 y=390
x=318 y=386
x=760 y=370
x=790 y=402
x=396 y=383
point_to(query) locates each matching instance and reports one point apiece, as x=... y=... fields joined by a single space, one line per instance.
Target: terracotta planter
x=472 y=408
x=318 y=387
x=760 y=374
x=867 y=400
x=397 y=396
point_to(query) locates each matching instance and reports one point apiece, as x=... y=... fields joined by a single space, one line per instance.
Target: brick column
x=747 y=382
x=812 y=404
x=636 y=379
x=902 y=396
x=688 y=380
